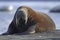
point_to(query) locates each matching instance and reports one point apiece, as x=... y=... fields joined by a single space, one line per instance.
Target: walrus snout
x=20 y=17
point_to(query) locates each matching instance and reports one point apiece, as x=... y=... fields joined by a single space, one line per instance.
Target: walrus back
x=44 y=23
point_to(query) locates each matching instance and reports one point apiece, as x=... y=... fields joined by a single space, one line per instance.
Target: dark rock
x=55 y=9
x=6 y=8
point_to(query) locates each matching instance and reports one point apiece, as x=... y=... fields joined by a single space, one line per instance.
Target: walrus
x=27 y=20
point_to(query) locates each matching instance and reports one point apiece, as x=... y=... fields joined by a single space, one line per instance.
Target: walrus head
x=21 y=16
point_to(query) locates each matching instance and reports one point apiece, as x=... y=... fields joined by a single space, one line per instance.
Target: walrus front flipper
x=11 y=29
x=6 y=33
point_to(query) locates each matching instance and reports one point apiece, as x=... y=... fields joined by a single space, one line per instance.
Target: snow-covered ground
x=6 y=17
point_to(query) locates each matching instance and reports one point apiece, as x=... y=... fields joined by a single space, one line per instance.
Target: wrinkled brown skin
x=41 y=21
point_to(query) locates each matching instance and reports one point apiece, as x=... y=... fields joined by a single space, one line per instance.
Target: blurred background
x=8 y=9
